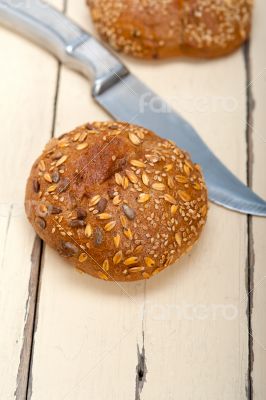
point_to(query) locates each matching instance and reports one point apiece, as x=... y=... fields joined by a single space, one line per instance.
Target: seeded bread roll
x=117 y=201
x=170 y=28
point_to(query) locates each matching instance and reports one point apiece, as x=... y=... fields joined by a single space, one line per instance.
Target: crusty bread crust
x=170 y=28
x=117 y=201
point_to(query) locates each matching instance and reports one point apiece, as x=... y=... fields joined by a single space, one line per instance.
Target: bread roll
x=171 y=28
x=117 y=201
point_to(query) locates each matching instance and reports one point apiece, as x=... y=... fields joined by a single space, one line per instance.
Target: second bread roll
x=171 y=28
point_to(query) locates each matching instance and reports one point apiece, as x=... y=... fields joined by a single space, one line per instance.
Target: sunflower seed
x=63 y=185
x=108 y=227
x=81 y=213
x=89 y=126
x=98 y=236
x=83 y=257
x=131 y=261
x=36 y=185
x=117 y=257
x=70 y=248
x=143 y=197
x=101 y=206
x=57 y=155
x=41 y=222
x=76 y=223
x=54 y=210
x=111 y=193
x=129 y=212
x=55 y=177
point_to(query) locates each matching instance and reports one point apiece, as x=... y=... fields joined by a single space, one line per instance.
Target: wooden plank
x=88 y=331
x=28 y=81
x=199 y=356
x=256 y=60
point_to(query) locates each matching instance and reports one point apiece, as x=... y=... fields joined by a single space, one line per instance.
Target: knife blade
x=124 y=96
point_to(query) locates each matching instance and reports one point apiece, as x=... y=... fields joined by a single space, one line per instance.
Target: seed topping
x=108 y=227
x=143 y=198
x=104 y=216
x=131 y=261
x=129 y=212
x=88 y=230
x=61 y=160
x=137 y=163
x=83 y=257
x=117 y=257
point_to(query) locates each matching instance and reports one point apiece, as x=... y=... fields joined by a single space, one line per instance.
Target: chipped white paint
x=193 y=315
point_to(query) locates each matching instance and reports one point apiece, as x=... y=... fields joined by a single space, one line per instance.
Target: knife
x=123 y=95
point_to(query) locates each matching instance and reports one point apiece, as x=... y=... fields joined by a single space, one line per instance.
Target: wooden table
x=196 y=331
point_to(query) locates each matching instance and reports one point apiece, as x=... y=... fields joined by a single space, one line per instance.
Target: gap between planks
x=250 y=105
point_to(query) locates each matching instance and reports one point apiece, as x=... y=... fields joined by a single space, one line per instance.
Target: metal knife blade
x=123 y=95
x=130 y=99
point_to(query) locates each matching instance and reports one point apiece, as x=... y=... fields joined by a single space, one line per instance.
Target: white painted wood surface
x=187 y=329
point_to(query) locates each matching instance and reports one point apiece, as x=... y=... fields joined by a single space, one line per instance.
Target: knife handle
x=74 y=47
